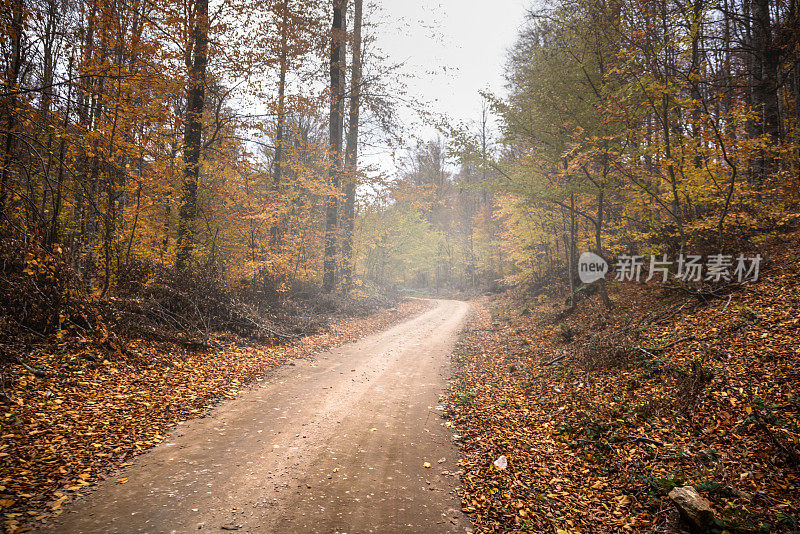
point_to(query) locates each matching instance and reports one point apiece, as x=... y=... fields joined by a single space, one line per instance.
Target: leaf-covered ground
x=601 y=415
x=95 y=410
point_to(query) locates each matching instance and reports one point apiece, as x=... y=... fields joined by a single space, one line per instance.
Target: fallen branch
x=557 y=359
x=4 y=396
x=789 y=454
x=730 y=297
x=30 y=369
x=643 y=439
x=647 y=352
x=669 y=312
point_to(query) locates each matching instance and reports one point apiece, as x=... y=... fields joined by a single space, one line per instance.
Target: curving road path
x=334 y=444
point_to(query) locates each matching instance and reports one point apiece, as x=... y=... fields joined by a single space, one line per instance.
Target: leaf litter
x=664 y=390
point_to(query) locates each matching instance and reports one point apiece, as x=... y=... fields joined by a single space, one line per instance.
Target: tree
x=15 y=27
x=351 y=149
x=337 y=70
x=197 y=59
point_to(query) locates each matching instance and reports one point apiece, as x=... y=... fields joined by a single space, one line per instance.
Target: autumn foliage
x=183 y=176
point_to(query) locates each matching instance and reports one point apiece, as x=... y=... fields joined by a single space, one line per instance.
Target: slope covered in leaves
x=601 y=414
x=95 y=410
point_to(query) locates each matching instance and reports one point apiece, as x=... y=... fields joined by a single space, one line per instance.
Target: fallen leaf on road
x=501 y=463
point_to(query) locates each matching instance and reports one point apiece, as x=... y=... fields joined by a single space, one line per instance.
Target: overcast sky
x=454 y=48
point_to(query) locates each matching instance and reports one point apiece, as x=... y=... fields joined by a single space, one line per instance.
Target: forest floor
x=95 y=410
x=601 y=414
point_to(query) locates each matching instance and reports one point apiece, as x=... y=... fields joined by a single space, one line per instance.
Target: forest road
x=333 y=444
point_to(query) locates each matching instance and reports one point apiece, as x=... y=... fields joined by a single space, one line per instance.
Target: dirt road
x=337 y=444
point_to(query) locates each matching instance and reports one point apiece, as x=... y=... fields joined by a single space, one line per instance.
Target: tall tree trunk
x=48 y=62
x=762 y=73
x=571 y=251
x=84 y=108
x=111 y=196
x=797 y=112
x=48 y=58
x=601 y=190
x=694 y=76
x=60 y=177
x=351 y=149
x=16 y=31
x=767 y=58
x=192 y=135
x=669 y=73
x=338 y=36
x=90 y=226
x=277 y=175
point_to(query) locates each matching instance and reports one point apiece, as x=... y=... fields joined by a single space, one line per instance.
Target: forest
x=189 y=196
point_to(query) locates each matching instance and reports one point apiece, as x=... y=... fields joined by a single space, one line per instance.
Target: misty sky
x=454 y=48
